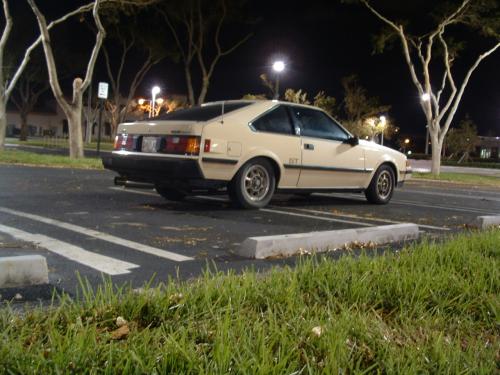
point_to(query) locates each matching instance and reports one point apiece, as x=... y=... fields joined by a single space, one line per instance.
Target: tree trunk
x=3 y=124
x=24 y=126
x=74 y=116
x=204 y=90
x=189 y=84
x=436 y=146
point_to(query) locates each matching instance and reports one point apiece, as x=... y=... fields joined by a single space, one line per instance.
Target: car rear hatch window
x=201 y=113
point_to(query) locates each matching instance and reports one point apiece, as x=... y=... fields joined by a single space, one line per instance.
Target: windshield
x=201 y=113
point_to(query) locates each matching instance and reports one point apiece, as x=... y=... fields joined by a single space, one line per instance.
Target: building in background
x=488 y=147
x=49 y=121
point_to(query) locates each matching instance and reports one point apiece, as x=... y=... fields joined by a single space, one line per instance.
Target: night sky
x=321 y=42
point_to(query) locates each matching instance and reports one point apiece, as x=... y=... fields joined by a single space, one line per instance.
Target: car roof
x=260 y=101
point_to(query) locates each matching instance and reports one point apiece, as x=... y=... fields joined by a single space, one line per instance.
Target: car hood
x=387 y=150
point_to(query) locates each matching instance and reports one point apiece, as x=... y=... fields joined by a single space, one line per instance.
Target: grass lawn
x=31 y=158
x=465 y=178
x=106 y=145
x=431 y=308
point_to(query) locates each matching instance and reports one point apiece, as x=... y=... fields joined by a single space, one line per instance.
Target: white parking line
x=448 y=208
x=409 y=203
x=99 y=262
x=316 y=217
x=100 y=236
x=366 y=218
x=466 y=196
x=125 y=190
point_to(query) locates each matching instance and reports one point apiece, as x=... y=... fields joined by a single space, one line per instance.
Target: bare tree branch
x=447 y=63
x=5 y=35
x=465 y=82
x=434 y=113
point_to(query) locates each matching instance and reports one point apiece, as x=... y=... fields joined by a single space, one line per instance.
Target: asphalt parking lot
x=132 y=234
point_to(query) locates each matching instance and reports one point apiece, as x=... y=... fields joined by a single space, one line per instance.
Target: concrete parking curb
x=24 y=270
x=485 y=222
x=291 y=244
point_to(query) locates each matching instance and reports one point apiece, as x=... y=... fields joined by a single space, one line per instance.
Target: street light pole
x=278 y=67
x=383 y=121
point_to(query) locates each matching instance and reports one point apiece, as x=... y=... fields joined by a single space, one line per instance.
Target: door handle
x=308 y=146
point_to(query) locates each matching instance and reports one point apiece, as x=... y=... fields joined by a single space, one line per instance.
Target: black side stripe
x=219 y=161
x=321 y=168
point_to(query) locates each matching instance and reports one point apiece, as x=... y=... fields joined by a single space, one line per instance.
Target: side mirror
x=353 y=141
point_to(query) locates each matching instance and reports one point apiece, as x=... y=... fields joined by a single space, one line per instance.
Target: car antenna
x=222 y=115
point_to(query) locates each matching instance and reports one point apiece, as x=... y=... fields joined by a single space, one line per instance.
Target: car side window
x=316 y=124
x=275 y=121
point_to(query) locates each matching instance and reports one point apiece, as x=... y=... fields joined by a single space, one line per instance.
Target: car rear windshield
x=201 y=113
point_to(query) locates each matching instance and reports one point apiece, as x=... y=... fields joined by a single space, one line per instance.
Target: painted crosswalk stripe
x=100 y=235
x=102 y=263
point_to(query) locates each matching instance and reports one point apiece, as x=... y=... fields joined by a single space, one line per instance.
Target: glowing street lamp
x=141 y=101
x=426 y=97
x=155 y=91
x=278 y=67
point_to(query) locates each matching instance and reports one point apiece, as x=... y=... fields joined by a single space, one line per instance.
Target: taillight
x=193 y=145
x=118 y=142
x=125 y=142
x=181 y=145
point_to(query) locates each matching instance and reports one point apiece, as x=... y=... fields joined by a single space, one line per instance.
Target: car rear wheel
x=169 y=193
x=381 y=187
x=254 y=184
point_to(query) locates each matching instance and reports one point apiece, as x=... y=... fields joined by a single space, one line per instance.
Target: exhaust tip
x=120 y=181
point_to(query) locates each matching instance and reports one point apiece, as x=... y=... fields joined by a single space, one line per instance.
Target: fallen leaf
x=120 y=333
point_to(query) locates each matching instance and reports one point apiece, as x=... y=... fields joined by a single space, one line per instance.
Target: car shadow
x=200 y=204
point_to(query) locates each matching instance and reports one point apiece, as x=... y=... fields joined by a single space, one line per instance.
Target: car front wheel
x=254 y=184
x=381 y=187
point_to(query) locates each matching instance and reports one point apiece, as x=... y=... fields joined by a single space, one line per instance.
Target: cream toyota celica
x=253 y=149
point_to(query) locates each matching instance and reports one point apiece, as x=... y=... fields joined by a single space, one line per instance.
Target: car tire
x=381 y=186
x=169 y=193
x=253 y=186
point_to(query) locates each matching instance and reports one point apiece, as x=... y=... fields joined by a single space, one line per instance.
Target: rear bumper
x=153 y=169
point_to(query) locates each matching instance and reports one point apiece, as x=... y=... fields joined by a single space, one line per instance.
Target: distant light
x=159 y=101
x=409 y=152
x=156 y=90
x=383 y=120
x=141 y=101
x=407 y=140
x=279 y=66
x=426 y=97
